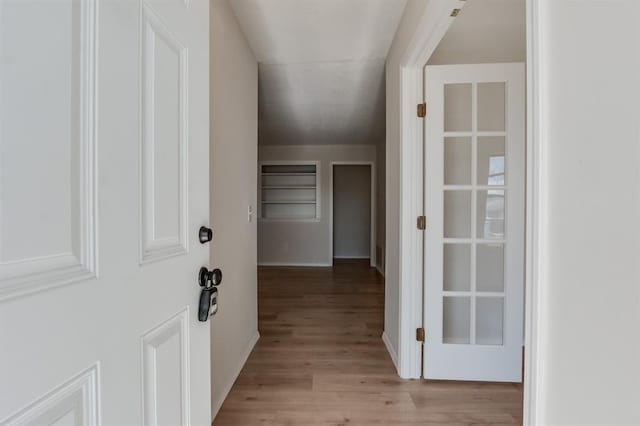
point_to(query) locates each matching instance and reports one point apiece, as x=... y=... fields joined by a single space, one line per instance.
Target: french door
x=475 y=209
x=103 y=186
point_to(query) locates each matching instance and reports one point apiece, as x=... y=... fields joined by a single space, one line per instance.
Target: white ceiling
x=321 y=67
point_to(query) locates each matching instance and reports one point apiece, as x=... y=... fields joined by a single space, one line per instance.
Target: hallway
x=320 y=360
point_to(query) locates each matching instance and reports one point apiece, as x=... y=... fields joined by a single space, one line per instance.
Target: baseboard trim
x=379 y=270
x=392 y=352
x=295 y=264
x=243 y=360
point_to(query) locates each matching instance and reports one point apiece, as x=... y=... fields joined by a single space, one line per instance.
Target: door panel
x=474 y=241
x=104 y=159
x=48 y=145
x=165 y=372
x=164 y=141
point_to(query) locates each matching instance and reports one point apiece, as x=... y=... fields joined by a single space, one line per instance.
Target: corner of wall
x=391 y=350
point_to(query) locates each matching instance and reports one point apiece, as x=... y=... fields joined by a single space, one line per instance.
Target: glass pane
x=457 y=107
x=490 y=214
x=490 y=267
x=491 y=106
x=491 y=160
x=456 y=314
x=489 y=320
x=457 y=214
x=457 y=161
x=457 y=267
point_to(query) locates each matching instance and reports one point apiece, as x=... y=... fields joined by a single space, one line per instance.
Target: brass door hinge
x=422 y=223
x=420 y=334
x=422 y=110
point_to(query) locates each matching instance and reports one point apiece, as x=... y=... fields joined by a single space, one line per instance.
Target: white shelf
x=289 y=187
x=289 y=202
x=289 y=191
x=289 y=174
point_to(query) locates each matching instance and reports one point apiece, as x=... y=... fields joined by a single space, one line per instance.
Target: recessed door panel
x=47 y=145
x=165 y=352
x=164 y=141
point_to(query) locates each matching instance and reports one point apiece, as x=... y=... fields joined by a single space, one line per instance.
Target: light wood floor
x=320 y=361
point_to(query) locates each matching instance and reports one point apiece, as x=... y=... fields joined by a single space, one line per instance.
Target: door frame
x=432 y=27
x=372 y=232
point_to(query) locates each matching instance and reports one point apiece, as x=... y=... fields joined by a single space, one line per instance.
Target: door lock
x=208 y=303
x=209 y=281
x=205 y=234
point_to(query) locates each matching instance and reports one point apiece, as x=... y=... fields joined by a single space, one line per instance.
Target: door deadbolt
x=205 y=234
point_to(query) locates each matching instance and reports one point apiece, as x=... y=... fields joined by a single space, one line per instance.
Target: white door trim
x=433 y=26
x=435 y=23
x=372 y=249
x=535 y=209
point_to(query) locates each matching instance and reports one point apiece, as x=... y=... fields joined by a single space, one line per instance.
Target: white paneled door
x=474 y=240
x=104 y=183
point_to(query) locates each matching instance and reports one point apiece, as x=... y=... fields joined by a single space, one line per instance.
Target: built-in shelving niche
x=289 y=191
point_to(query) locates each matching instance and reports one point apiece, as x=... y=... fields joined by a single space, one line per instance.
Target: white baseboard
x=296 y=264
x=227 y=388
x=379 y=270
x=351 y=257
x=392 y=352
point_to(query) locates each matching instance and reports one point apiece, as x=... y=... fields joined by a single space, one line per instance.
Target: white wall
x=589 y=269
x=351 y=211
x=304 y=243
x=234 y=145
x=412 y=16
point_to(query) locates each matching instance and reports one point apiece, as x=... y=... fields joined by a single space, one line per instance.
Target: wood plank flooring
x=320 y=360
